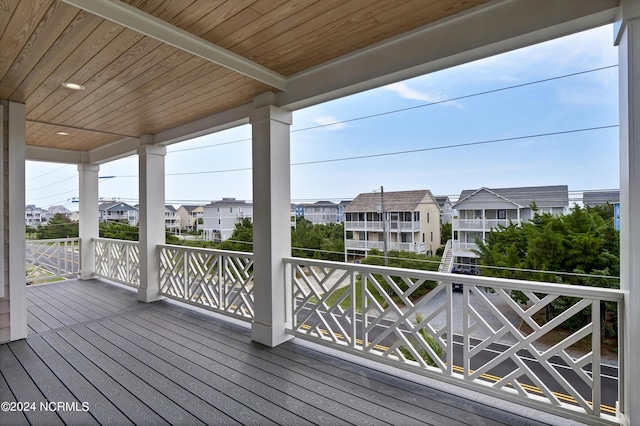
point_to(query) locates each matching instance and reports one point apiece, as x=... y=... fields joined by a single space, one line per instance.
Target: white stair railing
x=54 y=259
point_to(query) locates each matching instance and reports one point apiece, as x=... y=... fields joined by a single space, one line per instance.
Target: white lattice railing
x=499 y=346
x=218 y=280
x=52 y=259
x=118 y=260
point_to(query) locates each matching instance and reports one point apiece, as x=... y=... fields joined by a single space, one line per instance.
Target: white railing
x=379 y=245
x=218 y=280
x=464 y=247
x=52 y=259
x=118 y=260
x=374 y=225
x=447 y=258
x=498 y=345
x=481 y=224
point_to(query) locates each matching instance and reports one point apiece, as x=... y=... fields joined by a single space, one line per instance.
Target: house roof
x=543 y=196
x=189 y=207
x=442 y=200
x=170 y=208
x=180 y=69
x=595 y=198
x=108 y=205
x=229 y=202
x=401 y=201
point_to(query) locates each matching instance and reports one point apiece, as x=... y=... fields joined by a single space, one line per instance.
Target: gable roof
x=189 y=207
x=543 y=196
x=229 y=202
x=170 y=208
x=393 y=201
x=595 y=198
x=108 y=205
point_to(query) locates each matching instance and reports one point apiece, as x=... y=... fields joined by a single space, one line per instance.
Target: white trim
x=53 y=155
x=2 y=282
x=139 y=21
x=17 y=237
x=89 y=218
x=498 y=27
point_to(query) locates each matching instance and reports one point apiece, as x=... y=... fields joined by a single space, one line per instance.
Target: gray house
x=220 y=217
x=479 y=211
x=117 y=211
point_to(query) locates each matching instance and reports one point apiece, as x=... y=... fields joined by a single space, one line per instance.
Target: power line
x=54 y=183
x=48 y=173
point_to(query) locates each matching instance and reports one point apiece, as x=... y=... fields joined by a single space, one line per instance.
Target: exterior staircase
x=447 y=258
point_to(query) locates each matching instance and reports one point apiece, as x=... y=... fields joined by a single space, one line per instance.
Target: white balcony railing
x=480 y=339
x=464 y=247
x=375 y=225
x=118 y=260
x=481 y=224
x=52 y=259
x=379 y=245
x=218 y=280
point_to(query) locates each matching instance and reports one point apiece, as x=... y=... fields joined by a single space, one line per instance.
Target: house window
x=406 y=238
x=427 y=217
x=423 y=237
x=230 y=209
x=361 y=217
x=502 y=214
x=416 y=216
x=431 y=235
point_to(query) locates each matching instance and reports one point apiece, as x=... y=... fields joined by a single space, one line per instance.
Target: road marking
x=488 y=377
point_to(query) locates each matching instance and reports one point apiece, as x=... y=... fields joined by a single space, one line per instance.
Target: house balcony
x=379 y=245
x=464 y=249
x=177 y=361
x=378 y=226
x=481 y=224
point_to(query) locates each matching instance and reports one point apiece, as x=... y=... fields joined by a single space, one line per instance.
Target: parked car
x=465 y=270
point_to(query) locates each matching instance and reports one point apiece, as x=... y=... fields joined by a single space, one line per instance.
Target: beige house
x=405 y=220
x=189 y=215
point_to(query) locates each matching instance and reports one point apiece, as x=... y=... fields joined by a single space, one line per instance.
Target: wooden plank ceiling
x=136 y=85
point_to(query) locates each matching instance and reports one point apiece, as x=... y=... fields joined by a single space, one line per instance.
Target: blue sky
x=583 y=160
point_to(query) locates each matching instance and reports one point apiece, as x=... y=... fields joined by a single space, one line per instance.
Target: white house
x=480 y=211
x=401 y=220
x=321 y=212
x=220 y=218
x=117 y=211
x=446 y=210
x=34 y=215
x=54 y=210
x=171 y=219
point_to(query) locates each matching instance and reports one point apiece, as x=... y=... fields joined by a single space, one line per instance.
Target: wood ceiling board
x=23 y=23
x=67 y=28
x=77 y=69
x=125 y=99
x=190 y=108
x=40 y=134
x=7 y=7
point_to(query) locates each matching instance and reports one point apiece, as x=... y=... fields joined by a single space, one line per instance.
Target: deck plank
x=99 y=406
x=51 y=387
x=124 y=400
x=13 y=418
x=25 y=390
x=321 y=393
x=70 y=309
x=69 y=301
x=102 y=308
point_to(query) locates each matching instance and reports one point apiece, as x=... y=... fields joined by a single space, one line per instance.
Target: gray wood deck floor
x=161 y=363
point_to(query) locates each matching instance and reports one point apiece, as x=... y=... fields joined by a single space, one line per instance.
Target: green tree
x=119 y=231
x=241 y=238
x=59 y=226
x=582 y=242
x=445 y=232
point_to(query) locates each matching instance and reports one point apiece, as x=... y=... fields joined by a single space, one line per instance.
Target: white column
x=628 y=40
x=88 y=226
x=271 y=227
x=17 y=237
x=151 y=217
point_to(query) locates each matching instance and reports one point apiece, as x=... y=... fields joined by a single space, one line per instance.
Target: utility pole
x=384 y=227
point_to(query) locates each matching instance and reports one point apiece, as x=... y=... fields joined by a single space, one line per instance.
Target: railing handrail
x=604 y=294
x=115 y=241
x=207 y=250
x=54 y=240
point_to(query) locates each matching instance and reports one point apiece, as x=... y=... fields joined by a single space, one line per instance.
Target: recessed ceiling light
x=73 y=86
x=63 y=133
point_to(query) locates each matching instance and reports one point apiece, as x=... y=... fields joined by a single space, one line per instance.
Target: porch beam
x=151 y=217
x=144 y=23
x=271 y=223
x=89 y=227
x=627 y=37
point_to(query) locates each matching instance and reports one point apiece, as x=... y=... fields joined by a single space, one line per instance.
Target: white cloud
x=406 y=92
x=331 y=122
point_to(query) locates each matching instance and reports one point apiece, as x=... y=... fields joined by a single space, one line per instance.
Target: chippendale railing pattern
x=118 y=260
x=55 y=259
x=481 y=337
x=218 y=280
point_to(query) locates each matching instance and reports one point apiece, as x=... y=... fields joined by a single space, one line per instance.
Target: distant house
x=54 y=210
x=34 y=216
x=446 y=210
x=479 y=211
x=220 y=218
x=406 y=220
x=171 y=219
x=189 y=217
x=596 y=198
x=321 y=212
x=117 y=211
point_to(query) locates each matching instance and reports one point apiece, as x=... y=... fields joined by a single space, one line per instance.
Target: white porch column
x=13 y=304
x=628 y=39
x=271 y=224
x=89 y=223
x=151 y=217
